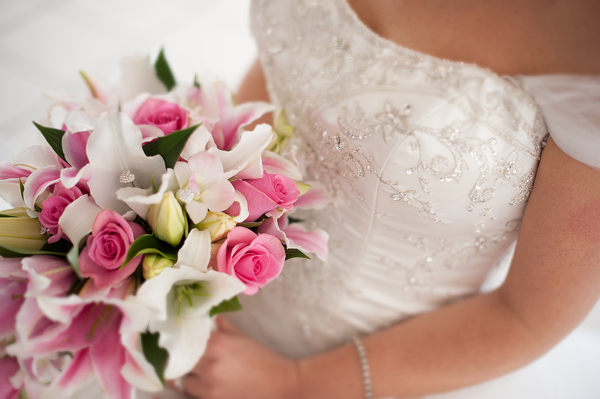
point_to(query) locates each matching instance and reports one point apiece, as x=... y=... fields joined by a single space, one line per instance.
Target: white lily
x=204 y=186
x=117 y=160
x=183 y=297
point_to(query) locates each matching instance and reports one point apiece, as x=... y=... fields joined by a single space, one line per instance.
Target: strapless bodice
x=429 y=163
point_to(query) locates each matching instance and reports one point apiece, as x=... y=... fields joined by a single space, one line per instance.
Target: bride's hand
x=235 y=366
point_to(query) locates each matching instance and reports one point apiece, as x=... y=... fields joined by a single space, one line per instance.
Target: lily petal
x=9 y=171
x=11 y=193
x=35 y=157
x=71 y=176
x=108 y=363
x=313 y=241
x=239 y=209
x=198 y=142
x=218 y=197
x=236 y=118
x=184 y=331
x=247 y=151
x=38 y=182
x=78 y=373
x=79 y=121
x=8 y=368
x=140 y=200
x=277 y=165
x=195 y=251
x=78 y=218
x=316 y=198
x=196 y=211
x=114 y=147
x=138 y=76
x=74 y=145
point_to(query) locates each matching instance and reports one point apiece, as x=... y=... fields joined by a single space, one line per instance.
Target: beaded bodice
x=430 y=164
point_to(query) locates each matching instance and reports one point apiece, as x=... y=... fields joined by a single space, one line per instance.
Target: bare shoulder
x=510 y=37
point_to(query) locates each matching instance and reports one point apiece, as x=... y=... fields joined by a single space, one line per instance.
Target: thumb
x=223 y=325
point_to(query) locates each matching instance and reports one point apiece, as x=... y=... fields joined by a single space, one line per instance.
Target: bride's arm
x=553 y=283
x=254 y=88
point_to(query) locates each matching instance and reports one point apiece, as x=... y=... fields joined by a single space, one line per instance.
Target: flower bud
x=20 y=231
x=218 y=224
x=168 y=220
x=284 y=133
x=153 y=265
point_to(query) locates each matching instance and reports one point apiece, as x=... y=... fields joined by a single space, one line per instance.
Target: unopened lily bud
x=284 y=133
x=20 y=231
x=153 y=265
x=218 y=224
x=168 y=220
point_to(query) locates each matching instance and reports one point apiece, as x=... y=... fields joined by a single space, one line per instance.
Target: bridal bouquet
x=149 y=211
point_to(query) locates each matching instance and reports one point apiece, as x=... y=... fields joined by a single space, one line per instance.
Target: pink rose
x=54 y=206
x=107 y=248
x=267 y=193
x=168 y=117
x=254 y=259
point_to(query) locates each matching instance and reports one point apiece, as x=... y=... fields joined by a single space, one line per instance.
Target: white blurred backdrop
x=44 y=44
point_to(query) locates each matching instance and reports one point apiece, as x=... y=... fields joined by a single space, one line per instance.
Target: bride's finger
x=224 y=325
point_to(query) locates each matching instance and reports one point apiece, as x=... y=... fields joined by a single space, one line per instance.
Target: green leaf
x=196 y=83
x=54 y=138
x=22 y=189
x=250 y=225
x=7 y=216
x=170 y=147
x=73 y=256
x=14 y=252
x=294 y=253
x=231 y=305
x=155 y=355
x=62 y=246
x=163 y=71
x=77 y=286
x=295 y=220
x=149 y=244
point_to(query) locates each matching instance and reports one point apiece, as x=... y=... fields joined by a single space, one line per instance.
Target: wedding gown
x=430 y=164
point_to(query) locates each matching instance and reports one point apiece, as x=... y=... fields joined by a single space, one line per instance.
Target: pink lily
x=314 y=241
x=23 y=164
x=296 y=235
x=38 y=185
x=13 y=285
x=276 y=164
x=8 y=368
x=88 y=324
x=36 y=374
x=244 y=160
x=229 y=118
x=49 y=277
x=317 y=198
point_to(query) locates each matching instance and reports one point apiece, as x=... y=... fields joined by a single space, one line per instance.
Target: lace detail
x=430 y=161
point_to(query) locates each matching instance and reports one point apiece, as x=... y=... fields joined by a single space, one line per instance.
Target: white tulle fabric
x=571 y=108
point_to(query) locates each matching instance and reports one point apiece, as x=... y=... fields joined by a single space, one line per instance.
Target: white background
x=44 y=44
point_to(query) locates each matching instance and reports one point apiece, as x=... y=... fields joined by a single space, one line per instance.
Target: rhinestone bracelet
x=364 y=364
